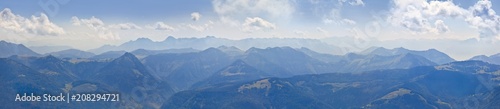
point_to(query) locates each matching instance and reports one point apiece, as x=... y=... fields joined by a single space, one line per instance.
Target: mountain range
x=431 y=54
x=211 y=41
x=8 y=49
x=164 y=74
x=52 y=75
x=71 y=53
x=494 y=59
x=419 y=87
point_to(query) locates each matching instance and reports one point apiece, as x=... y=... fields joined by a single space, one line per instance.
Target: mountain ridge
x=9 y=49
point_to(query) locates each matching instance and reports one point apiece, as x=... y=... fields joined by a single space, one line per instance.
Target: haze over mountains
x=211 y=41
x=251 y=73
x=495 y=59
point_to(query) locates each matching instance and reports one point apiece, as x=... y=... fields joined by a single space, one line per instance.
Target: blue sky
x=87 y=24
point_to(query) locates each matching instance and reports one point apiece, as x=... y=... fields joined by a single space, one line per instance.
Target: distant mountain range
x=227 y=76
x=71 y=53
x=431 y=54
x=186 y=69
x=48 y=49
x=494 y=59
x=210 y=41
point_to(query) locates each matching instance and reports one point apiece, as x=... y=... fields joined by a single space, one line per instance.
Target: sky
x=87 y=24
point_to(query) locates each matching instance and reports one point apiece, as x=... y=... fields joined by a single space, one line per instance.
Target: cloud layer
x=35 y=25
x=256 y=24
x=485 y=19
x=422 y=16
x=239 y=9
x=161 y=26
x=97 y=25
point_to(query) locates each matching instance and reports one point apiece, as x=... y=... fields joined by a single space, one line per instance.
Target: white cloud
x=485 y=19
x=125 y=26
x=108 y=35
x=102 y=31
x=161 y=26
x=93 y=22
x=443 y=9
x=256 y=24
x=352 y=2
x=201 y=28
x=244 y=8
x=441 y=27
x=75 y=21
x=321 y=30
x=335 y=16
x=36 y=25
x=348 y=21
x=339 y=22
x=195 y=16
x=417 y=15
x=301 y=33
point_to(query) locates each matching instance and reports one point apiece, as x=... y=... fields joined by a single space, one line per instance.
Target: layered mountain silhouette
x=494 y=59
x=250 y=73
x=125 y=75
x=431 y=54
x=48 y=49
x=194 y=67
x=356 y=62
x=108 y=55
x=211 y=41
x=72 y=53
x=185 y=69
x=9 y=49
x=419 y=87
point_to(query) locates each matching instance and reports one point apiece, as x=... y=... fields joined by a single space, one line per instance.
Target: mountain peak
x=400 y=50
x=432 y=49
x=252 y=49
x=139 y=50
x=380 y=48
x=170 y=38
x=144 y=39
x=127 y=58
x=212 y=50
x=8 y=49
x=3 y=42
x=227 y=47
x=128 y=55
